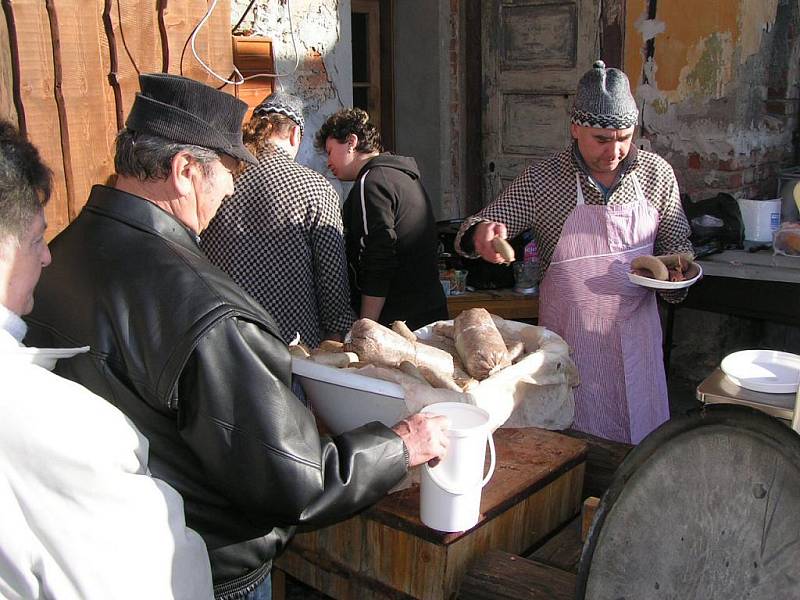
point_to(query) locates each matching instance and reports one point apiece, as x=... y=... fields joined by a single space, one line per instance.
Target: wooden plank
x=520 y=527
x=212 y=44
x=7 y=108
x=38 y=97
x=503 y=576
x=603 y=460
x=562 y=550
x=278 y=584
x=372 y=9
x=587 y=514
x=612 y=33
x=135 y=26
x=89 y=126
x=218 y=41
x=252 y=55
x=504 y=303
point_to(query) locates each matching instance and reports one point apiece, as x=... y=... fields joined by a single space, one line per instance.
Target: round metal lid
x=707 y=506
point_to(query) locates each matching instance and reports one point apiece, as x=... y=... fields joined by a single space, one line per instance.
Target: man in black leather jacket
x=193 y=361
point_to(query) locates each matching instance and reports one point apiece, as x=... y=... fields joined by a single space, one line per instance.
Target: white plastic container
x=345 y=400
x=761 y=218
x=450 y=492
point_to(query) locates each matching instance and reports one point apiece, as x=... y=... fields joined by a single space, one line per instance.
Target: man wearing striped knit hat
x=592 y=209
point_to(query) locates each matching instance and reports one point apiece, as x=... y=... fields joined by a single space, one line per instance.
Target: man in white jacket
x=80 y=515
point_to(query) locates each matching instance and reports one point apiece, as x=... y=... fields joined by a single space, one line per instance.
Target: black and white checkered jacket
x=280 y=238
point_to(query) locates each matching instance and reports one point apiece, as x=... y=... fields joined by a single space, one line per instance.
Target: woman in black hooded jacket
x=390 y=230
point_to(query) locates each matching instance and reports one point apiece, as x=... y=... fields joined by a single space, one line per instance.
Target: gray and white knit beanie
x=285 y=104
x=604 y=99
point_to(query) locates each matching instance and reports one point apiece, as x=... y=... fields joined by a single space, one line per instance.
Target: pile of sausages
x=457 y=356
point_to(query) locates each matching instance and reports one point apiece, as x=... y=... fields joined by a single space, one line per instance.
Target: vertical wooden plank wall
x=7 y=110
x=37 y=87
x=75 y=80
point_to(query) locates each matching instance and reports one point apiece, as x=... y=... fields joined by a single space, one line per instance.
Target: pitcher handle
x=458 y=492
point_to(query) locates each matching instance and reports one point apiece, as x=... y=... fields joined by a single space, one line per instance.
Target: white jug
x=450 y=492
x=761 y=218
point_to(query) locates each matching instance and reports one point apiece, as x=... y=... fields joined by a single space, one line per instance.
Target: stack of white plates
x=768 y=371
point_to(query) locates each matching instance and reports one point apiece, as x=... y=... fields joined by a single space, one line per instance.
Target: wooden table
x=386 y=552
x=756 y=285
x=504 y=303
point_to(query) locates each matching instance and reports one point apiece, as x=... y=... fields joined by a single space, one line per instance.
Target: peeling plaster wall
x=429 y=80
x=429 y=96
x=718 y=90
x=323 y=78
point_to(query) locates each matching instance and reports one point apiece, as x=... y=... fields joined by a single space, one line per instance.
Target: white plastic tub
x=344 y=400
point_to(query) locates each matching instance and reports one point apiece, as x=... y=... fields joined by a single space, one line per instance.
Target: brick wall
x=705 y=175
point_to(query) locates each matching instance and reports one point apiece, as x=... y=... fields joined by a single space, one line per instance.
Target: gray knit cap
x=604 y=99
x=285 y=104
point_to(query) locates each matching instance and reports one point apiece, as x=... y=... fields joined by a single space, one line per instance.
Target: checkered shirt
x=280 y=238
x=543 y=195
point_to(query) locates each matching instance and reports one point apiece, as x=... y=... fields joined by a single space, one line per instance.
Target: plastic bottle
x=532 y=262
x=527 y=274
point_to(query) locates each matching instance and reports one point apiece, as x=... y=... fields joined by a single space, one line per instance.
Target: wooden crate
x=252 y=55
x=386 y=552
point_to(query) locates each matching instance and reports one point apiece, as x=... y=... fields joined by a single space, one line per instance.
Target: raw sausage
x=479 y=343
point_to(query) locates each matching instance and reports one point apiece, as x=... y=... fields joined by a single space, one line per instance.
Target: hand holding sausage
x=425 y=437
x=485 y=232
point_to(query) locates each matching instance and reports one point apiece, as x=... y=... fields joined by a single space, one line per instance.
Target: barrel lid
x=705 y=507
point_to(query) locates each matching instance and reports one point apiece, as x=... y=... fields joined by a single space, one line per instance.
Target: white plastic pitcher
x=761 y=218
x=450 y=492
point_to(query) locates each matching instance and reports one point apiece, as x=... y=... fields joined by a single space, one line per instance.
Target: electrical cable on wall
x=124 y=43
x=239 y=79
x=244 y=14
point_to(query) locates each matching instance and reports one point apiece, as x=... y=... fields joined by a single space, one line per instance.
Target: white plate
x=47 y=357
x=768 y=371
x=665 y=285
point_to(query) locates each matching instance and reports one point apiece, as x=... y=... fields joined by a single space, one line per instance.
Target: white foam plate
x=769 y=371
x=665 y=285
x=47 y=357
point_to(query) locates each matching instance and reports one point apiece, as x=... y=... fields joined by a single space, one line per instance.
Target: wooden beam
x=502 y=576
x=612 y=33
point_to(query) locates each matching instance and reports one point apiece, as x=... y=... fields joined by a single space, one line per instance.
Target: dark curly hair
x=346 y=121
x=25 y=182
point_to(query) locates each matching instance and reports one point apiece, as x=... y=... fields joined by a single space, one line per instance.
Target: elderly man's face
x=602 y=149
x=20 y=267
x=214 y=188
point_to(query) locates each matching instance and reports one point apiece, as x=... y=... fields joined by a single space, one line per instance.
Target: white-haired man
x=195 y=362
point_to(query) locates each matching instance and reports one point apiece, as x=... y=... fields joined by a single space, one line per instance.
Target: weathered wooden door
x=534 y=52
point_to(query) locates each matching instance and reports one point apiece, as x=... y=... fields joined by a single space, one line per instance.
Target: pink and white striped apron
x=611 y=324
